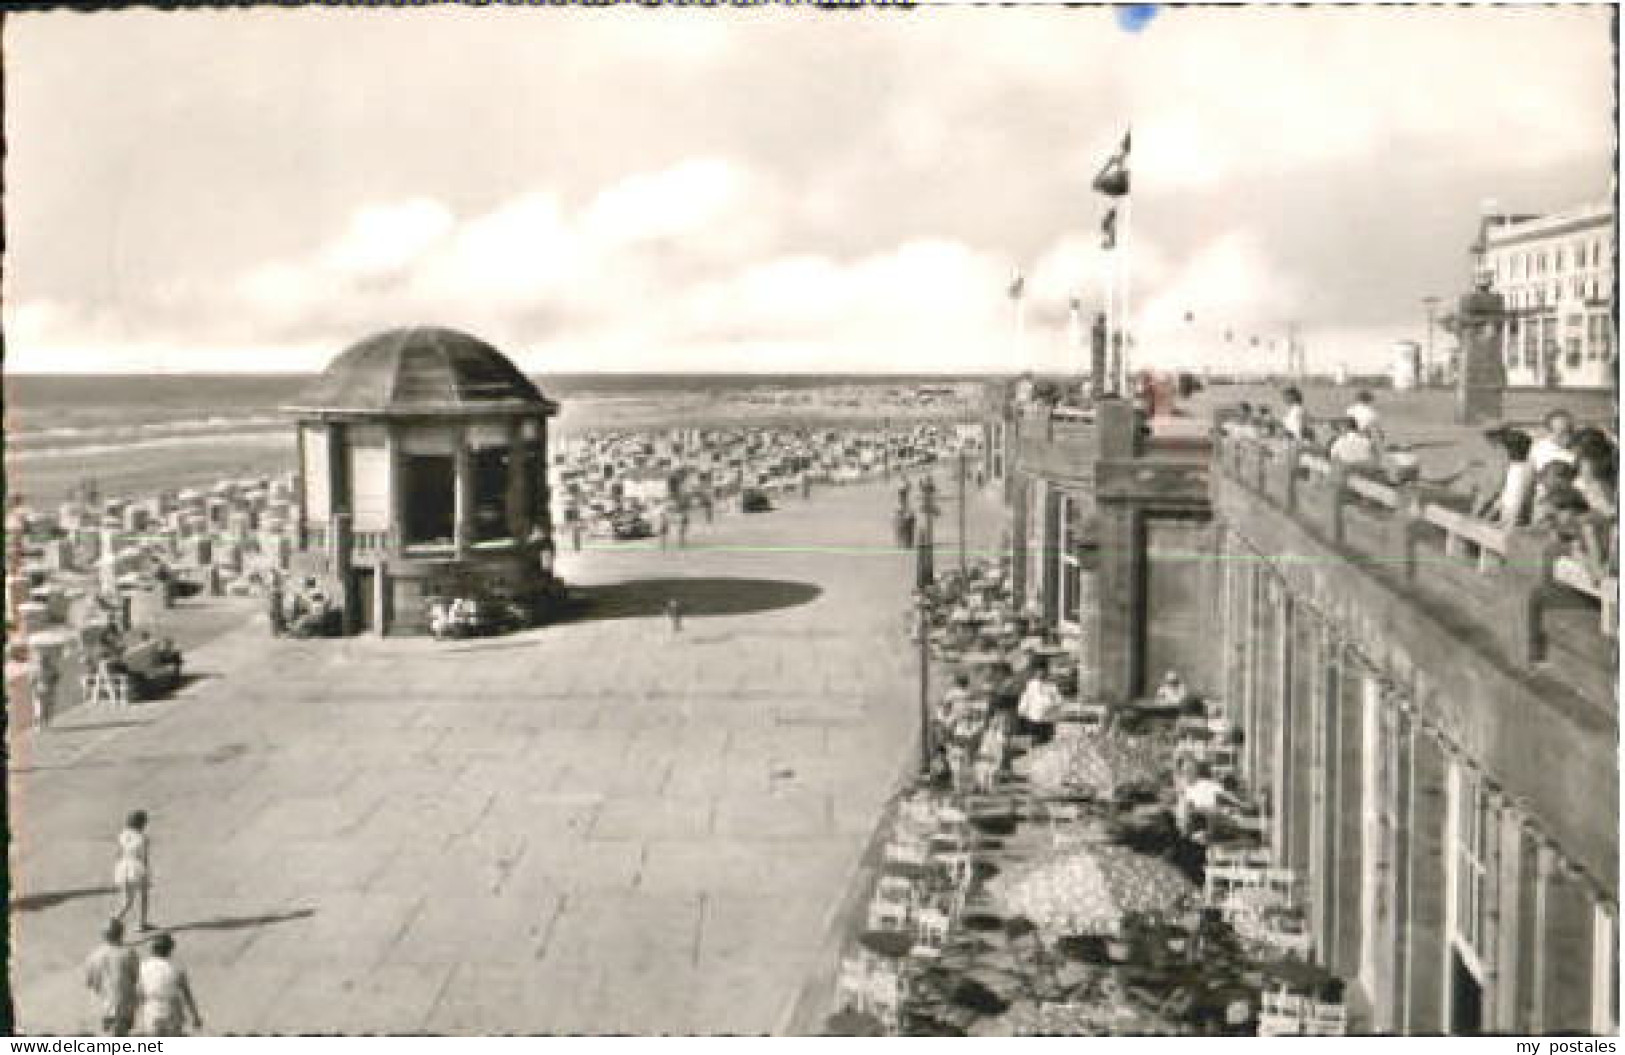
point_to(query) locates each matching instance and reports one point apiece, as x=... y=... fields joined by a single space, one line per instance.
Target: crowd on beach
x=1063 y=868
x=1558 y=478
x=630 y=485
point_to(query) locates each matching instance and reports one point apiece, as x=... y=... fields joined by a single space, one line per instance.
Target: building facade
x=1427 y=705
x=1557 y=275
x=422 y=474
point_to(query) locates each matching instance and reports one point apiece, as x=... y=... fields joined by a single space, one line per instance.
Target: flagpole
x=1127 y=234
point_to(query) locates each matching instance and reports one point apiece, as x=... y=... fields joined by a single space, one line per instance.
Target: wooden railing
x=1494 y=572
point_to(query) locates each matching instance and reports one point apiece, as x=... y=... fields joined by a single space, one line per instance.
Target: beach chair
x=1281 y=1015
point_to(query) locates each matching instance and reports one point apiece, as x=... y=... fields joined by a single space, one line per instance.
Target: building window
x=1599 y=335
x=1557 y=259
x=1473 y=819
x=1604 y=971
x=1076 y=557
x=1573 y=359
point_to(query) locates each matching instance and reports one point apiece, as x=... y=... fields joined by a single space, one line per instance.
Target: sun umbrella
x=1091 y=890
x=1099 y=762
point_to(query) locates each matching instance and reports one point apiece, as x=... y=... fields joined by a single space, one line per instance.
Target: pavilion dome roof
x=422 y=370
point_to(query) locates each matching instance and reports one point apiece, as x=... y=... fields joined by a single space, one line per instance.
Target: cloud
x=694 y=189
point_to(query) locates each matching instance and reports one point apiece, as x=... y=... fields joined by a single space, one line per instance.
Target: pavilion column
x=519 y=505
x=393 y=488
x=463 y=469
x=338 y=496
x=543 y=496
x=299 y=485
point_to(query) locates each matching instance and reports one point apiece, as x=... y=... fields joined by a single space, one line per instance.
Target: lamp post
x=1431 y=303
x=923 y=625
x=927 y=539
x=962 y=564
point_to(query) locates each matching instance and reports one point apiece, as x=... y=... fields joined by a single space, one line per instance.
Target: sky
x=774 y=190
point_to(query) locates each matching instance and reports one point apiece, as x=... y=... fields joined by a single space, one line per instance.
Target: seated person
x=1173 y=693
x=954 y=699
x=1509 y=505
x=1353 y=449
x=1202 y=797
x=1039 y=706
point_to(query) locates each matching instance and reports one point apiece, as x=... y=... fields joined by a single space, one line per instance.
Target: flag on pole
x=1108 y=229
x=1112 y=180
x=1018 y=286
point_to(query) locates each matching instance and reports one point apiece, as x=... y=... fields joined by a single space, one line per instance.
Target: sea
x=139 y=433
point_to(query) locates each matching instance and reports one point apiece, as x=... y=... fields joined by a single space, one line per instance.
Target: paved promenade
x=595 y=827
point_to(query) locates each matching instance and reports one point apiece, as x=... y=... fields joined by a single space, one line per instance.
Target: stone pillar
x=1281 y=740
x=1121 y=605
x=1569 y=934
x=1018 y=536
x=1348 y=818
x=1481 y=380
x=1406 y=821
x=1097 y=358
x=1505 y=1012
x=463 y=469
x=1428 y=950
x=1049 y=591
x=1089 y=626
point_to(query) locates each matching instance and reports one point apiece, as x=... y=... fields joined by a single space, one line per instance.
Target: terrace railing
x=1520 y=586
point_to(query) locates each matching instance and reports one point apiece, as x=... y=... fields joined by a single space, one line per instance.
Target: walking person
x=682 y=527
x=165 y=994
x=674 y=614
x=110 y=973
x=132 y=872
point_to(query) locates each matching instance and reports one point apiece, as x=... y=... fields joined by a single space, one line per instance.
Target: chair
x=906 y=850
x=888 y=916
x=931 y=931
x=1281 y=1015
x=1327 y=1020
x=885 y=993
x=852 y=985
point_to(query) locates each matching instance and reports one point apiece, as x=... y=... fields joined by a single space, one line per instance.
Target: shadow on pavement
x=642 y=598
x=241 y=922
x=51 y=899
x=96 y=727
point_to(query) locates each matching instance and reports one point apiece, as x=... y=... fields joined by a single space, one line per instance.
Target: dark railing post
x=1337 y=496
x=1289 y=495
x=1405 y=530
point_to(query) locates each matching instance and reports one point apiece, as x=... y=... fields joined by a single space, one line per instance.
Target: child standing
x=132 y=874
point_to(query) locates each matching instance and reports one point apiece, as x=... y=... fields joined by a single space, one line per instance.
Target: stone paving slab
x=594 y=827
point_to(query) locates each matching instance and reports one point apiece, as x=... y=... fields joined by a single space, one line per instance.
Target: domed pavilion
x=423 y=473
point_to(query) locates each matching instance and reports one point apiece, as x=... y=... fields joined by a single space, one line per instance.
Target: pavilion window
x=489 y=457
x=428 y=482
x=490 y=466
